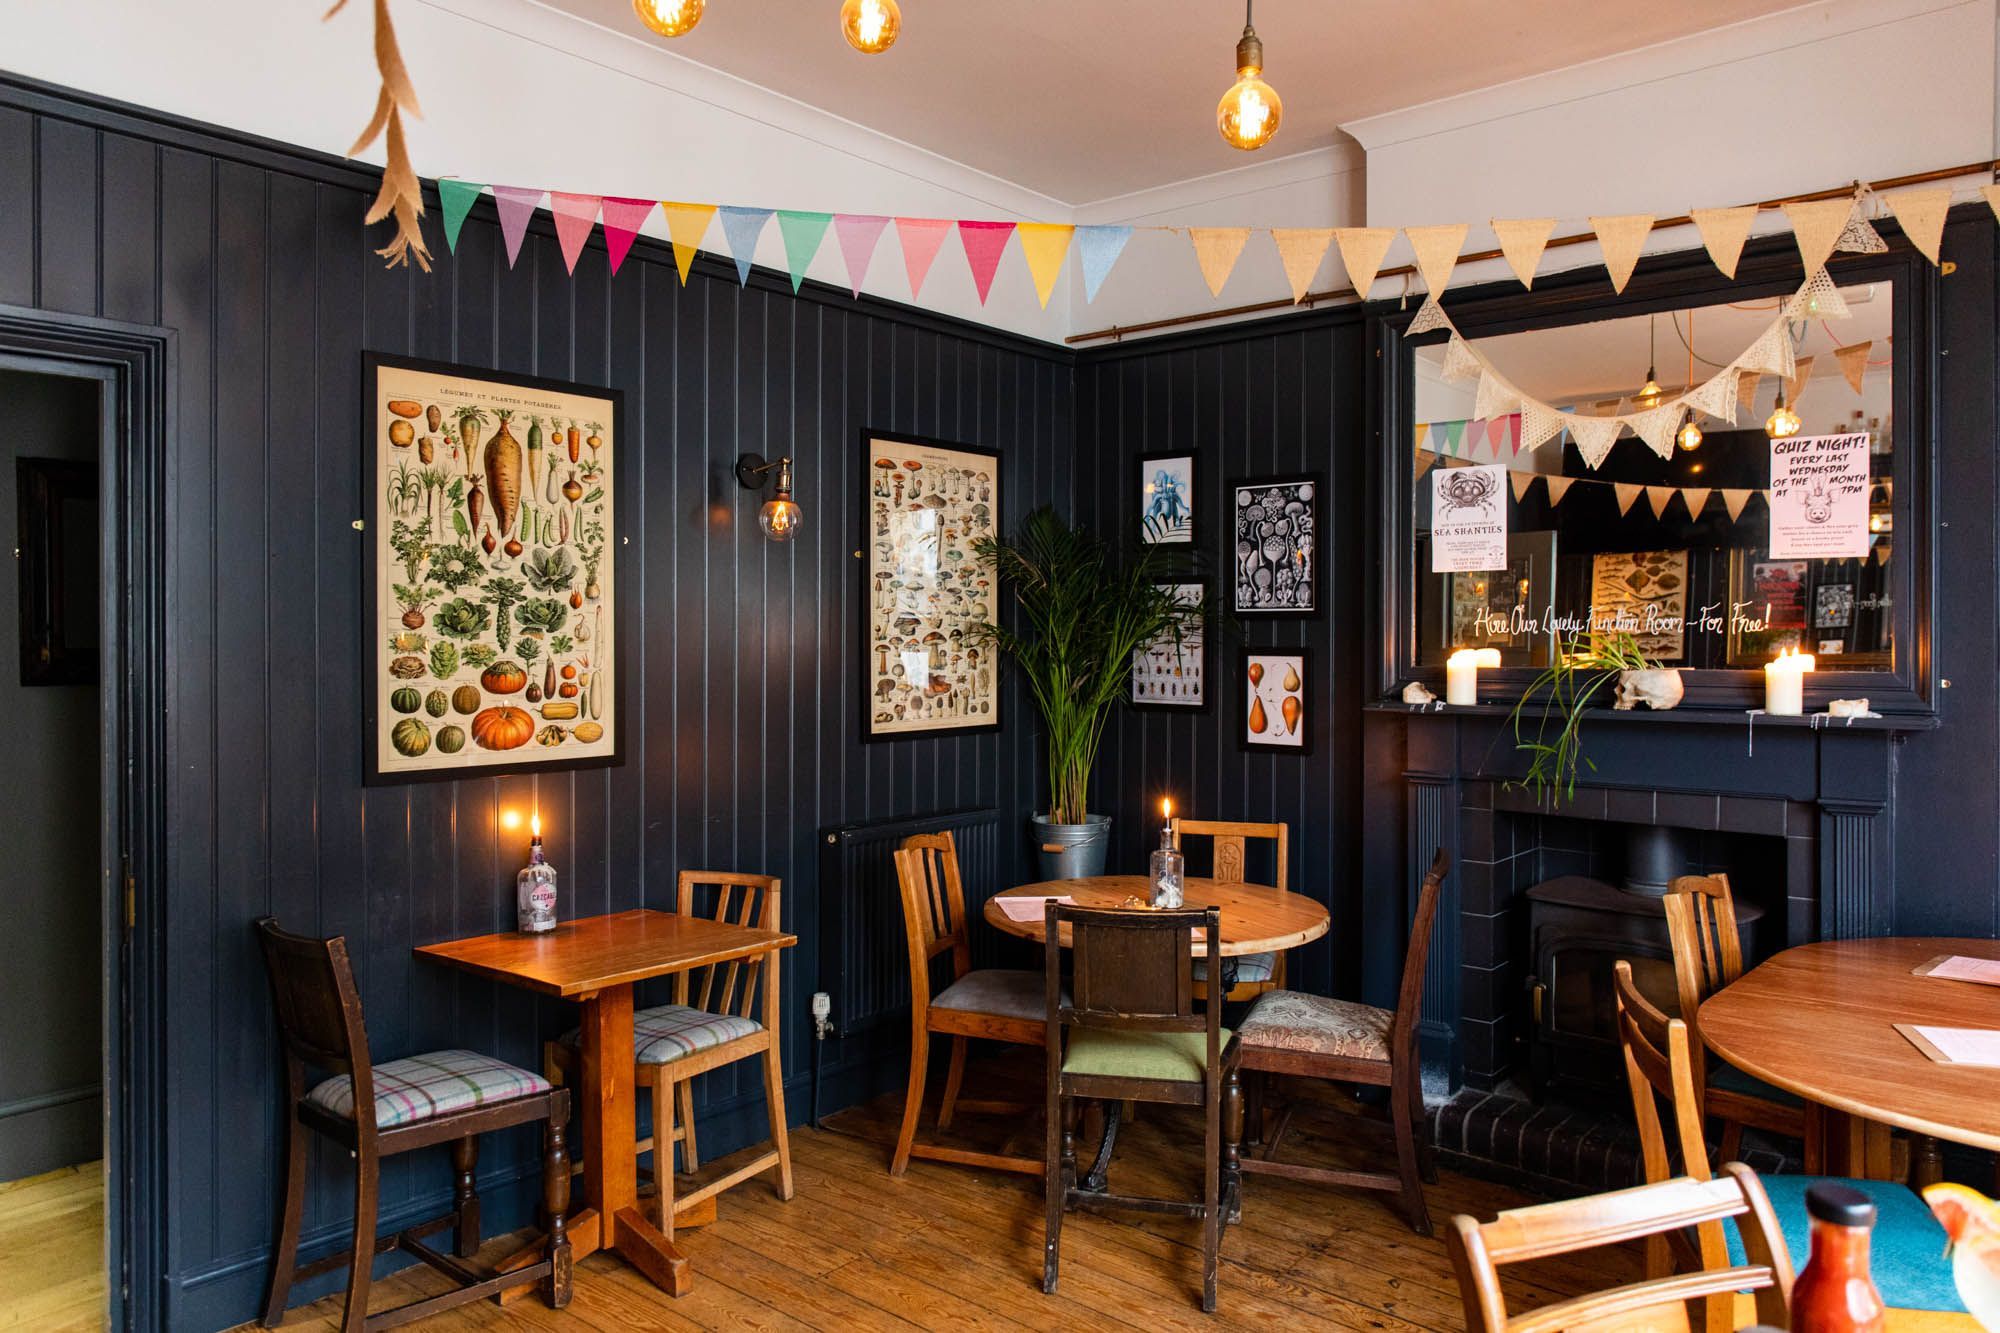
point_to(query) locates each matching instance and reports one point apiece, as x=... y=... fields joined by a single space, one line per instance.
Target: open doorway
x=52 y=954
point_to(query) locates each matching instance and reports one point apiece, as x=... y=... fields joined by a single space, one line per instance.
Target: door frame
x=134 y=368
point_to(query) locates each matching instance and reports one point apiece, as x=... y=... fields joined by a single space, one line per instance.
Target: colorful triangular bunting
x=687 y=224
x=1044 y=245
x=984 y=243
x=1097 y=249
x=920 y=239
x=455 y=200
x=575 y=215
x=742 y=228
x=858 y=234
x=803 y=233
x=622 y=220
x=517 y=206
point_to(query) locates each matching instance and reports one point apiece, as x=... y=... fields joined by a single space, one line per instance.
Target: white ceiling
x=1085 y=100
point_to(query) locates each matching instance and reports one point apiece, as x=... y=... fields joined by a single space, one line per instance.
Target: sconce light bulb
x=780 y=518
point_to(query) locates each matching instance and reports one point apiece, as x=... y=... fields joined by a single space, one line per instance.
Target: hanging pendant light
x=1783 y=421
x=1688 y=437
x=1650 y=395
x=669 y=18
x=1248 y=113
x=871 y=26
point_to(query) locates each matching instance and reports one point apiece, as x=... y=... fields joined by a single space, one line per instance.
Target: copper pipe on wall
x=1579 y=238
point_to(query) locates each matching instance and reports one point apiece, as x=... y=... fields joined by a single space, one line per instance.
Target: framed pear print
x=1275 y=712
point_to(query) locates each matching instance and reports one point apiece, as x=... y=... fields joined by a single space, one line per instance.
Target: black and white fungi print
x=1275 y=546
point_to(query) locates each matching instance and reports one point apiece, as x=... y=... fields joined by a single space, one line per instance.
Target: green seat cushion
x=1181 y=1056
x=1731 y=1079
x=1906 y=1256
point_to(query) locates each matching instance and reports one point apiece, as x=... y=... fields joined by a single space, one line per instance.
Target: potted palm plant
x=1083 y=616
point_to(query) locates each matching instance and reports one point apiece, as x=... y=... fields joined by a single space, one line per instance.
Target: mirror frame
x=1770 y=266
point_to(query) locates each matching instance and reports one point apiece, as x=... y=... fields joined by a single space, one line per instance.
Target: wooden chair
x=1908 y=1243
x=1708 y=955
x=1479 y=1251
x=424 y=1101
x=1310 y=1036
x=1132 y=1034
x=1252 y=973
x=995 y=1004
x=719 y=1015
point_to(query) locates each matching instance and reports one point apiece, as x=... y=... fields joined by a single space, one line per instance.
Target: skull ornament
x=1659 y=690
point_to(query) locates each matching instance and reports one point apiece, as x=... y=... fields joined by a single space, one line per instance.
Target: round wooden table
x=1818 y=1021
x=1256 y=918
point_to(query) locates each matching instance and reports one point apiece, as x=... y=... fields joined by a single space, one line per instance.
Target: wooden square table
x=597 y=961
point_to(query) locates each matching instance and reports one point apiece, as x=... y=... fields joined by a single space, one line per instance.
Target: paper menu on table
x=1955 y=1046
x=1957 y=967
x=1030 y=909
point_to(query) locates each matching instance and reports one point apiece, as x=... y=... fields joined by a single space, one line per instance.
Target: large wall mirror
x=1689 y=553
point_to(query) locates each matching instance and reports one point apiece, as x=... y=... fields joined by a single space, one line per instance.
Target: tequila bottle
x=535 y=888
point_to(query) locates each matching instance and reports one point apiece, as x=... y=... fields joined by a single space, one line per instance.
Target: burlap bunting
x=1796 y=382
x=1622 y=238
x=1522 y=241
x=1558 y=488
x=1361 y=251
x=1991 y=193
x=1425 y=458
x=1216 y=249
x=1521 y=481
x=1694 y=497
x=1437 y=253
x=1733 y=502
x=1659 y=497
x=1921 y=214
x=1627 y=493
x=1746 y=388
x=1723 y=231
x=1300 y=250
x=1853 y=360
x=402 y=194
x=1816 y=225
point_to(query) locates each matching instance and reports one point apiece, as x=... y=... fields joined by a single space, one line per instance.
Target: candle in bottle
x=1785 y=683
x=535 y=886
x=1169 y=867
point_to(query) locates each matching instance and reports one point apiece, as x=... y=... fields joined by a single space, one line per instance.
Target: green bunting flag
x=456 y=197
x=803 y=232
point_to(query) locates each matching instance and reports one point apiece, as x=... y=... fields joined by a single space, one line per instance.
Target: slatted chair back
x=1133 y=968
x=732 y=899
x=1229 y=841
x=933 y=907
x=1520 y=1235
x=313 y=995
x=1658 y=1068
x=1708 y=953
x=1417 y=955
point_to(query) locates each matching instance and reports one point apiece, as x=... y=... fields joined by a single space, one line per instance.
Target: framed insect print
x=1167 y=502
x=1275 y=709
x=926 y=507
x=1274 y=545
x=490 y=594
x=1171 y=674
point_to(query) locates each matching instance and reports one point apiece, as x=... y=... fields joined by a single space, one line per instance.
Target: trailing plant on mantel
x=1579 y=670
x=1083 y=616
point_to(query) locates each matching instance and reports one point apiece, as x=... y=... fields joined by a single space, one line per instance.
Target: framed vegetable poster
x=489 y=594
x=1171 y=673
x=1274 y=545
x=926 y=506
x=1166 y=499
x=1275 y=706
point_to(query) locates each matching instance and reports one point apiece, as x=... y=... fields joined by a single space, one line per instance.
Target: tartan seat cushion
x=671 y=1032
x=420 y=1087
x=1251 y=967
x=1289 y=1020
x=997 y=990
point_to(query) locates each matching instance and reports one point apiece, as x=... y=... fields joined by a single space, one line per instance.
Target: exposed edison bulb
x=669 y=18
x=1688 y=437
x=780 y=518
x=1783 y=421
x=1249 y=112
x=871 y=26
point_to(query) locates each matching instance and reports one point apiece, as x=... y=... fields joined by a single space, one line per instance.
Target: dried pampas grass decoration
x=402 y=193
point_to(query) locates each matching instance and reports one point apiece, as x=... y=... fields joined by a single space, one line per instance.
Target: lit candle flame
x=535 y=826
x=1166 y=807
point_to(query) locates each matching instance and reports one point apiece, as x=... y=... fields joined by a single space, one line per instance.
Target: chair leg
x=465 y=1196
x=285 y=1256
x=954 y=1079
x=1732 y=1142
x=690 y=1159
x=1406 y=1118
x=774 y=1101
x=361 y=1258
x=1211 y=1203
x=1059 y=1163
x=913 y=1102
x=1427 y=1167
x=555 y=1202
x=1232 y=1138
x=1253 y=1108
x=663 y=1144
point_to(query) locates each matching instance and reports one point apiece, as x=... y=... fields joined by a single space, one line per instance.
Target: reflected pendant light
x=1688 y=437
x=1783 y=421
x=871 y=26
x=1650 y=395
x=1248 y=113
x=669 y=18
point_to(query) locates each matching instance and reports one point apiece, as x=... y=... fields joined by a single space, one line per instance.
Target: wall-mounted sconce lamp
x=781 y=516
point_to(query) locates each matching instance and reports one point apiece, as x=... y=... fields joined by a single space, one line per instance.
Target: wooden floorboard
x=52 y=1250
x=958 y=1248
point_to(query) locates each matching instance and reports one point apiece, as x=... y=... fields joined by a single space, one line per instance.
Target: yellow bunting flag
x=1723 y=231
x=1694 y=497
x=1992 y=193
x=1437 y=253
x=1361 y=251
x=1521 y=481
x=1522 y=240
x=1921 y=215
x=686 y=225
x=1423 y=429
x=1816 y=225
x=1627 y=493
x=1044 y=245
x=1659 y=497
x=1733 y=502
x=1622 y=238
x=1558 y=488
x=1217 y=249
x=1853 y=362
x=1301 y=249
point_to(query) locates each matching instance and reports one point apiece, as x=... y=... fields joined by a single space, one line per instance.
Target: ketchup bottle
x=1835 y=1294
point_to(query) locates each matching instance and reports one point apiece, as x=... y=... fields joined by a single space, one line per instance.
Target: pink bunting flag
x=622 y=220
x=984 y=243
x=575 y=215
x=921 y=238
x=516 y=206
x=858 y=234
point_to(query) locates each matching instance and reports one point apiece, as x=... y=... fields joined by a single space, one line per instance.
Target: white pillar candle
x=1461 y=673
x=1785 y=683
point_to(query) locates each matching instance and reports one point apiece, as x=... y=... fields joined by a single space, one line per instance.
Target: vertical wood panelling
x=18 y=220
x=66 y=218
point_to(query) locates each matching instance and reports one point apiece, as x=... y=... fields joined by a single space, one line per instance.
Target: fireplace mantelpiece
x=1827 y=792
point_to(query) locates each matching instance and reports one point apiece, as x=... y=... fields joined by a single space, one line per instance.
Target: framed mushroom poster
x=489 y=589
x=926 y=507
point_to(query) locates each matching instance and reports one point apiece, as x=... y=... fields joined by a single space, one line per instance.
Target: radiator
x=864 y=954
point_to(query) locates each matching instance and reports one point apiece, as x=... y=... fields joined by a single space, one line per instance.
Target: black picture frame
x=865 y=529
x=1207 y=658
x=374 y=646
x=1240 y=495
x=56 y=504
x=1146 y=464
x=1308 y=720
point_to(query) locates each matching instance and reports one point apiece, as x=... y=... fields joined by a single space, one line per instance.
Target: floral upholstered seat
x=1289 y=1020
x=422 y=1086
